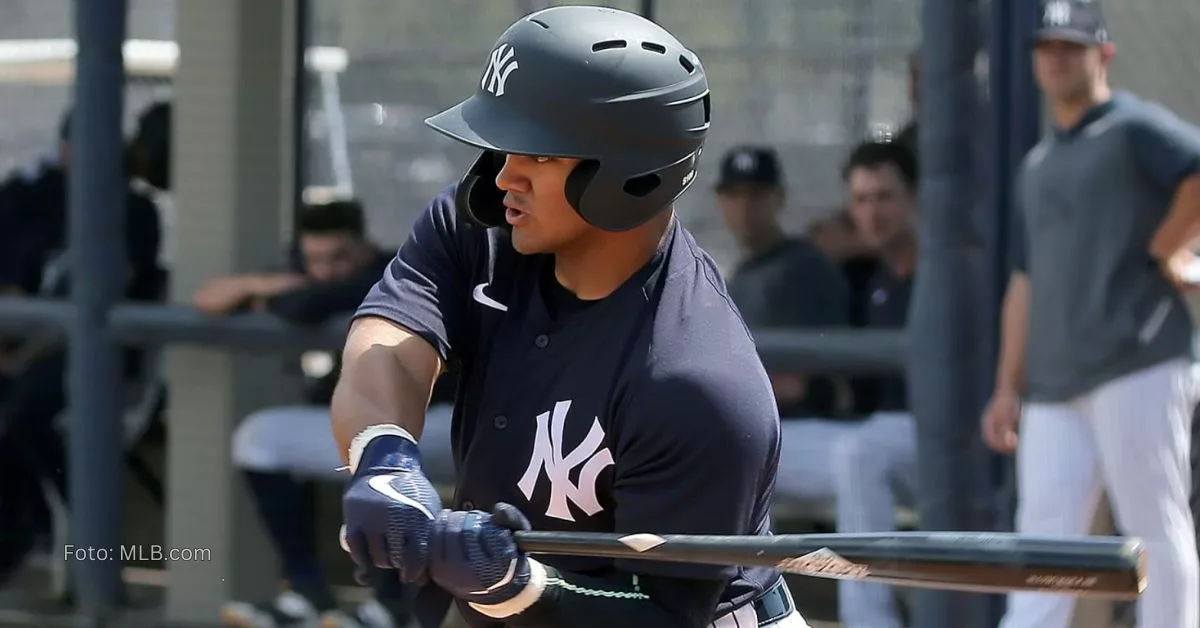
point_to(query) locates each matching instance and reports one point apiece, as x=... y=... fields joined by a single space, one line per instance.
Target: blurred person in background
x=780 y=281
x=837 y=235
x=874 y=461
x=34 y=260
x=33 y=213
x=788 y=282
x=1094 y=385
x=282 y=451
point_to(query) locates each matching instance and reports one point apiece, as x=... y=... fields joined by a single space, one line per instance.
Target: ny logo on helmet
x=500 y=66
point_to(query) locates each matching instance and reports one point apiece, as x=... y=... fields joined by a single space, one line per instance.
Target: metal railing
x=842 y=350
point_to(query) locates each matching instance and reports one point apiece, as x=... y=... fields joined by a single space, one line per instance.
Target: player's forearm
x=222 y=295
x=571 y=600
x=1181 y=227
x=1014 y=336
x=377 y=387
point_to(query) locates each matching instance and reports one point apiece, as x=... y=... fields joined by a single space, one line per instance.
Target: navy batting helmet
x=604 y=86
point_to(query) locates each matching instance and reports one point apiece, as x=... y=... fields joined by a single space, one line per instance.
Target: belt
x=774 y=604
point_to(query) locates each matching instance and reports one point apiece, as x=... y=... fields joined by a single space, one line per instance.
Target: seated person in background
x=785 y=282
x=281 y=450
x=837 y=235
x=875 y=461
x=780 y=281
x=31 y=448
x=33 y=213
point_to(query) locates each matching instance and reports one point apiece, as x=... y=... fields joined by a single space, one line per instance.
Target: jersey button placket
x=541 y=341
x=500 y=422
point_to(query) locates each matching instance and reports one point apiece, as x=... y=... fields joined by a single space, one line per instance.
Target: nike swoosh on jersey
x=484 y=299
x=383 y=484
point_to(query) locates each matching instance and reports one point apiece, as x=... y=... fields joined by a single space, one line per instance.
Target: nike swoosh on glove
x=474 y=557
x=389 y=506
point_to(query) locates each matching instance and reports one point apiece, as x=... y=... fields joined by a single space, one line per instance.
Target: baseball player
x=1095 y=332
x=607 y=384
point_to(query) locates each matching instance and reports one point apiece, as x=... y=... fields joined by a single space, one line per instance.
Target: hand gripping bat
x=1105 y=567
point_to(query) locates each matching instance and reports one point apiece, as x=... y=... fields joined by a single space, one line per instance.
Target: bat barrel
x=1110 y=567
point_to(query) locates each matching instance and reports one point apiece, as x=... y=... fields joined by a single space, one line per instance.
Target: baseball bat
x=1104 y=567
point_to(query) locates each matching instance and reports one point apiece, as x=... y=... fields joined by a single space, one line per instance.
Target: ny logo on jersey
x=548 y=456
x=1057 y=13
x=500 y=67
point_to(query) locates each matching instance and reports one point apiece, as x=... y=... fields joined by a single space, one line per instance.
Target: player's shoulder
x=705 y=387
x=695 y=297
x=1127 y=106
x=699 y=341
x=1150 y=128
x=1135 y=114
x=442 y=211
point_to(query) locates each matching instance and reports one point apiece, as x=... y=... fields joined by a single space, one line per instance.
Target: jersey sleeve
x=1167 y=148
x=701 y=459
x=425 y=287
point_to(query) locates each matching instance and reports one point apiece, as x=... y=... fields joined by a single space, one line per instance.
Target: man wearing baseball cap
x=779 y=280
x=1093 y=388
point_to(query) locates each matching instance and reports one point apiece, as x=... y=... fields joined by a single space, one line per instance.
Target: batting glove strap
x=386 y=446
x=526 y=597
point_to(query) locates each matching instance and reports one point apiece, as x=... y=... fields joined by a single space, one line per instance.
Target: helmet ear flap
x=578 y=181
x=478 y=199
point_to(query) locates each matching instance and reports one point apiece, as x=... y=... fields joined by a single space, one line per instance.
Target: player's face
x=331 y=256
x=881 y=204
x=536 y=203
x=1066 y=70
x=750 y=211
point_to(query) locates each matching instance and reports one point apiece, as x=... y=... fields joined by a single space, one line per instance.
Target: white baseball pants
x=1130 y=436
x=745 y=618
x=868 y=467
x=299 y=440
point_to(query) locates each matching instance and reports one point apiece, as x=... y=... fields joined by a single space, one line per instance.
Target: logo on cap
x=744 y=162
x=1057 y=13
x=500 y=66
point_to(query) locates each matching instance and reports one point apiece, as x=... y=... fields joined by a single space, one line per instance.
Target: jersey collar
x=1092 y=115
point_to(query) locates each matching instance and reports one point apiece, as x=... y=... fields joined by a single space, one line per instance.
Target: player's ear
x=1108 y=51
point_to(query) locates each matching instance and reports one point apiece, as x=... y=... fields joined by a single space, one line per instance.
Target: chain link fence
x=808 y=78
x=34 y=96
x=1158 y=52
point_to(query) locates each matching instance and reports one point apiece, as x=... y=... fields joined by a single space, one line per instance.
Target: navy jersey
x=889 y=298
x=647 y=411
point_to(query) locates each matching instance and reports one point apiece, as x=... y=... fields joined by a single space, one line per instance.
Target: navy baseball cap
x=757 y=165
x=1076 y=21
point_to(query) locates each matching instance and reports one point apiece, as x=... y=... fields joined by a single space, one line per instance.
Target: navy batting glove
x=389 y=506
x=474 y=557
